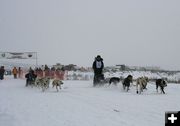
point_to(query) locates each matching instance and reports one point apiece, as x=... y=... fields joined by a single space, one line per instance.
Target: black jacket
x=2 y=71
x=30 y=76
x=98 y=66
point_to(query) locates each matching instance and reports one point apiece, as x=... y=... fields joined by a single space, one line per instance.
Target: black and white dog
x=114 y=80
x=161 y=83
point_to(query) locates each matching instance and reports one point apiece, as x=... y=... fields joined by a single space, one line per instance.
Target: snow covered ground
x=80 y=104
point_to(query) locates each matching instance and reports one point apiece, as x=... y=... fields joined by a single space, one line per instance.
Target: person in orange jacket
x=15 y=71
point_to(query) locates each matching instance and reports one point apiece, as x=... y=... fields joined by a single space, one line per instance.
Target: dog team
x=41 y=82
x=141 y=83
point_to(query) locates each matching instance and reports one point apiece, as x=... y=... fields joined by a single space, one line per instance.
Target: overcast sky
x=132 y=32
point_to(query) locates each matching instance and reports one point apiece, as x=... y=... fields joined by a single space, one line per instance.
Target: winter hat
x=98 y=56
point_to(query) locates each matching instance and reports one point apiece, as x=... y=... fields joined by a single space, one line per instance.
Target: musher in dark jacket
x=30 y=78
x=98 y=66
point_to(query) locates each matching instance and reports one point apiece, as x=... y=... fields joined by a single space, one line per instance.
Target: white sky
x=132 y=32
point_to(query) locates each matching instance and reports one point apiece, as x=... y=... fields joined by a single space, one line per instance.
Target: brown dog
x=141 y=82
x=57 y=83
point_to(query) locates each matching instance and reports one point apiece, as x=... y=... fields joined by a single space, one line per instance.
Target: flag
x=18 y=55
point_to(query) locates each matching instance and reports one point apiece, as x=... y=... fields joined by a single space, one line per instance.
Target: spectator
x=15 y=71
x=2 y=73
x=19 y=72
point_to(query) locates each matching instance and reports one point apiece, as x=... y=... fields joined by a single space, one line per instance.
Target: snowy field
x=80 y=104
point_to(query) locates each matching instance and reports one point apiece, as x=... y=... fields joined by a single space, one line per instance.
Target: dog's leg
x=146 y=85
x=137 y=88
x=43 y=89
x=127 y=88
x=116 y=83
x=124 y=87
x=157 y=88
x=57 y=88
x=162 y=88
x=140 y=88
x=110 y=82
x=31 y=84
x=39 y=85
x=48 y=85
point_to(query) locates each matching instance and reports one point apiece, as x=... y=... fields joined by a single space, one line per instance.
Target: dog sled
x=99 y=80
